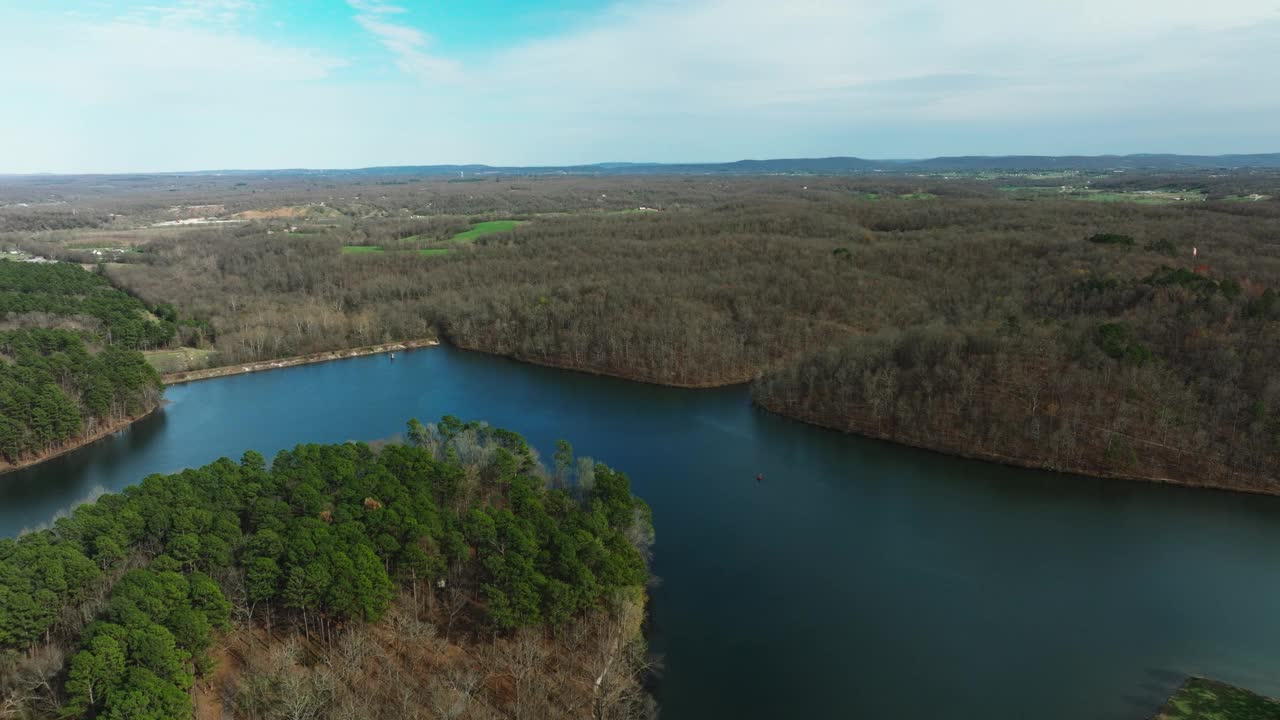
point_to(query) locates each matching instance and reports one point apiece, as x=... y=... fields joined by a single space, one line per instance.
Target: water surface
x=858 y=580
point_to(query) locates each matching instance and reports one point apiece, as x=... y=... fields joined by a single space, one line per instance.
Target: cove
x=858 y=579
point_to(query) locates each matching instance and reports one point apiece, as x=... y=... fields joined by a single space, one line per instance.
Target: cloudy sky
x=151 y=85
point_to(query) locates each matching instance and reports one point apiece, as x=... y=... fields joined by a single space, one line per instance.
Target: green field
x=405 y=244
x=485 y=228
x=1153 y=197
x=1201 y=699
x=180 y=360
x=918 y=196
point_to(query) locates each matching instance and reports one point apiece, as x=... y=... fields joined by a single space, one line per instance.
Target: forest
x=323 y=584
x=63 y=295
x=71 y=365
x=1110 y=324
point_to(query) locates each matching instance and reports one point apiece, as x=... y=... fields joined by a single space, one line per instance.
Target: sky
x=173 y=85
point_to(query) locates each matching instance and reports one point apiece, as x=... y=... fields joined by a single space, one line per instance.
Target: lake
x=858 y=580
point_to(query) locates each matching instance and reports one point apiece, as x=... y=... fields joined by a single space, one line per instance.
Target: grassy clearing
x=434 y=252
x=360 y=249
x=918 y=196
x=1146 y=197
x=1142 y=197
x=1246 y=198
x=485 y=228
x=180 y=360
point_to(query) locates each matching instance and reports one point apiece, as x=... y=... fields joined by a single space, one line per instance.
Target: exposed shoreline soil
x=103 y=431
x=240 y=369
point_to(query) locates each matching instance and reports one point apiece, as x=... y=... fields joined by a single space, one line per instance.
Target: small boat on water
x=759 y=477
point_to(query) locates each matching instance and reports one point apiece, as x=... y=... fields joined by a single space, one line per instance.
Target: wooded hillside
x=71 y=366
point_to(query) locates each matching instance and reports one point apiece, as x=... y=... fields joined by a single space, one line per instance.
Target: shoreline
x=555 y=365
x=218 y=372
x=106 y=430
x=1019 y=462
x=179 y=378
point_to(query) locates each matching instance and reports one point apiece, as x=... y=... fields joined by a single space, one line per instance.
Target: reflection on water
x=859 y=579
x=31 y=498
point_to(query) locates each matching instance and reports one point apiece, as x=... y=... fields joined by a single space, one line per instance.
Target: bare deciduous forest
x=1112 y=324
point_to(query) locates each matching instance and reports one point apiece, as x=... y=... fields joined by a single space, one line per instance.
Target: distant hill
x=843 y=165
x=1095 y=162
x=817 y=166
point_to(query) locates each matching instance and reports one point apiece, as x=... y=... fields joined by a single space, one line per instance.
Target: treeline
x=463 y=523
x=30 y=293
x=54 y=390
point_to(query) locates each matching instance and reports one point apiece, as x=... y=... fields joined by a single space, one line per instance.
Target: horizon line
x=623 y=164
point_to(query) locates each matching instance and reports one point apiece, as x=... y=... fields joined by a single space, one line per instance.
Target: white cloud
x=152 y=94
x=406 y=43
x=734 y=55
x=195 y=11
x=374 y=7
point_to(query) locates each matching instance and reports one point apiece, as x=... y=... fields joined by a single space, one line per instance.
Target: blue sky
x=150 y=85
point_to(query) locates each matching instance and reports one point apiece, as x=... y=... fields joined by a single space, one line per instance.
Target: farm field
x=485 y=228
x=409 y=243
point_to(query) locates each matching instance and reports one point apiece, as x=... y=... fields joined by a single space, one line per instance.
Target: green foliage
x=1182 y=277
x=1117 y=342
x=65 y=289
x=1201 y=699
x=1265 y=306
x=55 y=388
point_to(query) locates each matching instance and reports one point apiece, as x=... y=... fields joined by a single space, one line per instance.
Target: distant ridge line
x=820 y=166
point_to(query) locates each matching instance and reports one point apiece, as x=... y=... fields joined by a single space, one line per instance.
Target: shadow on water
x=32 y=497
x=1152 y=694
